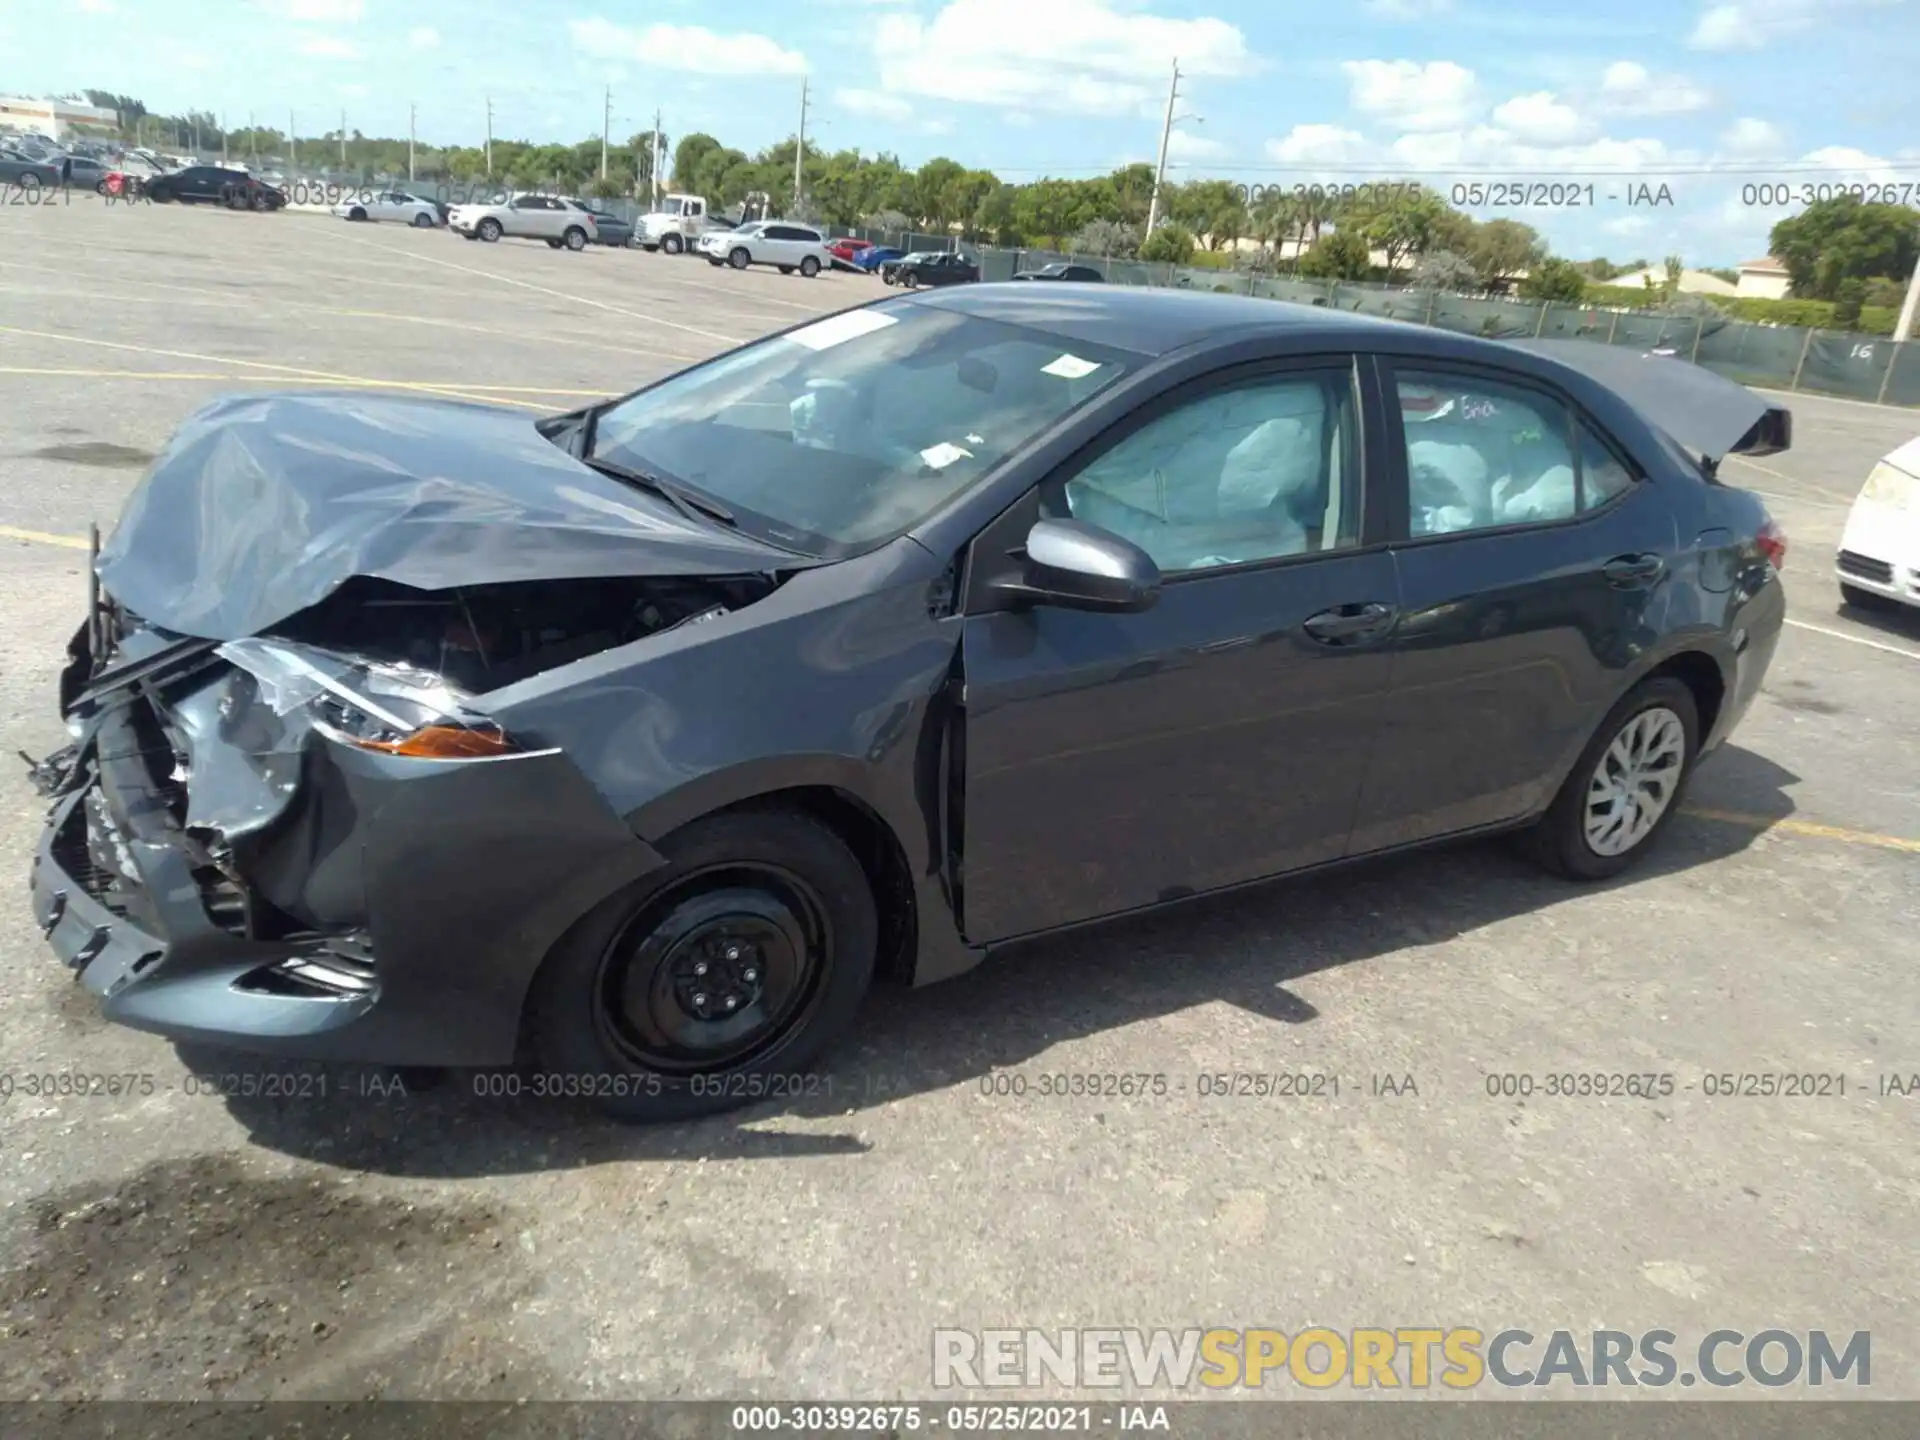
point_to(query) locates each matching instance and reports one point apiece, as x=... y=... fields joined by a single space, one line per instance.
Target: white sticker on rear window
x=1070 y=367
x=944 y=454
x=838 y=329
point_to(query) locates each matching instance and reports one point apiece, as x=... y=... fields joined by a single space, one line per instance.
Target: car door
x=1116 y=760
x=526 y=216
x=196 y=182
x=1534 y=566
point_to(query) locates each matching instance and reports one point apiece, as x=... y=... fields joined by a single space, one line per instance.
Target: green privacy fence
x=1777 y=357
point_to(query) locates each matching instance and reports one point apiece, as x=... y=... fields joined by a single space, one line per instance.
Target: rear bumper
x=427 y=893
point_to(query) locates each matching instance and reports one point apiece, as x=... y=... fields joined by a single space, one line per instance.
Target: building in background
x=53 y=118
x=1692 y=282
x=1763 y=279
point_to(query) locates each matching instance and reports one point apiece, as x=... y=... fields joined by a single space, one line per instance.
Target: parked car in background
x=847 y=251
x=1060 y=270
x=609 y=228
x=780 y=243
x=19 y=168
x=1879 y=558
x=391 y=205
x=393 y=768
x=214 y=185
x=944 y=267
x=530 y=217
x=871 y=262
x=890 y=269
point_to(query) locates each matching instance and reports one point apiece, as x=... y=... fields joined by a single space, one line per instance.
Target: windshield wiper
x=689 y=504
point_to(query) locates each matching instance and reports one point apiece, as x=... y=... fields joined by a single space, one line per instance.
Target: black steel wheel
x=722 y=973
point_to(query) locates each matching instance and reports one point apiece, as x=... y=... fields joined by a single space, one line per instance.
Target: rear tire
x=809 y=267
x=575 y=239
x=553 y=244
x=1598 y=825
x=772 y=913
x=356 y=213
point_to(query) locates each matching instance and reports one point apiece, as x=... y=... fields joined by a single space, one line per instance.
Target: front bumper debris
x=394 y=914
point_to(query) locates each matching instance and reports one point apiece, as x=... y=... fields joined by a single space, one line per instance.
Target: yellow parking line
x=295 y=380
x=1806 y=828
x=41 y=537
x=470 y=392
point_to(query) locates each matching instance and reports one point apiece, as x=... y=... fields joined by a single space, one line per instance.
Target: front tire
x=423 y=221
x=1855 y=598
x=356 y=213
x=731 y=968
x=488 y=230
x=1626 y=787
x=740 y=258
x=672 y=244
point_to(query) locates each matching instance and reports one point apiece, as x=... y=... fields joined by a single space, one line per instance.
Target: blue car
x=871 y=259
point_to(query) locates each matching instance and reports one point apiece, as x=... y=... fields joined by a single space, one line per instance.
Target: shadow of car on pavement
x=1243 y=948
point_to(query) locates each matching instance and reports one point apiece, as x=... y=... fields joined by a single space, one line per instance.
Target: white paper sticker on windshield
x=944 y=454
x=838 y=329
x=1070 y=367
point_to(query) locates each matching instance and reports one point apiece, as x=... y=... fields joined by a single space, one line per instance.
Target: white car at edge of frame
x=1879 y=557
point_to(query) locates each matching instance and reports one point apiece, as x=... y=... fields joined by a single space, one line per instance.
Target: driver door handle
x=1351 y=624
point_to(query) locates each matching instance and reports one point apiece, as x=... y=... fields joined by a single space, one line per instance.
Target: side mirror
x=1078 y=566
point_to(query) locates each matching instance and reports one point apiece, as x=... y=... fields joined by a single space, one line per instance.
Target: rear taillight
x=1772 y=541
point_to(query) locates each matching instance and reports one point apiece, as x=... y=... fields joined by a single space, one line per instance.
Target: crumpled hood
x=262 y=505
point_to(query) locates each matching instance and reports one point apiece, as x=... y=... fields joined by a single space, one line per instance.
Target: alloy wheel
x=1634 y=784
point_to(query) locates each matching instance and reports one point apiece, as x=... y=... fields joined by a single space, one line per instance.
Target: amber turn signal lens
x=445 y=742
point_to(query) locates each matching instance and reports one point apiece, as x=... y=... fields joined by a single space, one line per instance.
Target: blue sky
x=1701 y=96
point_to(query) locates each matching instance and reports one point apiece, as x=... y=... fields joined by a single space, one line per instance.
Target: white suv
x=768 y=242
x=535 y=217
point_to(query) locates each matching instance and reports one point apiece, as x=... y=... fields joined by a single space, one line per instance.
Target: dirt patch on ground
x=194 y=1279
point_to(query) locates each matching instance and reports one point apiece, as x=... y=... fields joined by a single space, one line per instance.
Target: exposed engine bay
x=485 y=637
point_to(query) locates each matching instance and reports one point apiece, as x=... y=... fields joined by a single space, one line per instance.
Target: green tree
x=1845 y=237
x=1444 y=270
x=1676 y=272
x=1106 y=237
x=1848 y=297
x=1211 y=210
x=1342 y=255
x=1560 y=281
x=1169 y=244
x=1502 y=249
x=689 y=155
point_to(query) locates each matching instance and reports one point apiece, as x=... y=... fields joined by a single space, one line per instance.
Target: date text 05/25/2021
x=1470 y=194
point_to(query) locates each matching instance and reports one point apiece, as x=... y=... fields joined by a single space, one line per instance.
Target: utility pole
x=223 y=139
x=343 y=139
x=1905 y=327
x=800 y=147
x=252 y=136
x=489 y=137
x=1166 y=131
x=606 y=129
x=413 y=113
x=654 y=168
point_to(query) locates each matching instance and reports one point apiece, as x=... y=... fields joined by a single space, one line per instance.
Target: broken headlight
x=393 y=709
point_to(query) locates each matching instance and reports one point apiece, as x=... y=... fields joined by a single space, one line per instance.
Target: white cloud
x=1309 y=145
x=1628 y=88
x=423 y=37
x=690 y=48
x=874 y=104
x=1407 y=10
x=317 y=12
x=1752 y=24
x=1080 y=56
x=329 y=47
x=1183 y=145
x=1542 y=118
x=1408 y=95
x=1755 y=139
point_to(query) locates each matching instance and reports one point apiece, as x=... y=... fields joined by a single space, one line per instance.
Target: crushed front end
x=328 y=850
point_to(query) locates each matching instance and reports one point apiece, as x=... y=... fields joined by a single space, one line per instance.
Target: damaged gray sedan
x=635 y=743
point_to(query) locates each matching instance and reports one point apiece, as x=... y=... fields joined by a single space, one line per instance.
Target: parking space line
x=434 y=385
x=1854 y=639
x=1805 y=827
x=556 y=294
x=470 y=392
x=41 y=537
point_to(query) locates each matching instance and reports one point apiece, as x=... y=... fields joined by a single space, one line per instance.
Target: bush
x=1559 y=280
x=1343 y=255
x=1106 y=237
x=1806 y=314
x=1169 y=244
x=1848 y=297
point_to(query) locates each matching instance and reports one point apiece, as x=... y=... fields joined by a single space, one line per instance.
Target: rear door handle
x=1629 y=571
x=1347 y=624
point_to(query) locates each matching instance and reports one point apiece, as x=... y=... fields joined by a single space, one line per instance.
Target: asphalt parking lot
x=425 y=1242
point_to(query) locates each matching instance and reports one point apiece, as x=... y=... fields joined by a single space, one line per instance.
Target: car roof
x=1154 y=321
